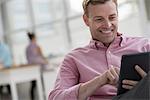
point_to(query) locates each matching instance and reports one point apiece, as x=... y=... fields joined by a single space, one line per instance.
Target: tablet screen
x=128 y=71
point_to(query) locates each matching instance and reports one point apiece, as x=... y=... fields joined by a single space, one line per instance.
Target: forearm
x=64 y=94
x=88 y=88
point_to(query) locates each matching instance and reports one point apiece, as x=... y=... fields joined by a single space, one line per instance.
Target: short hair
x=94 y=2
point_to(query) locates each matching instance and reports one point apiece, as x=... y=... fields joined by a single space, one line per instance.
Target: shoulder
x=77 y=53
x=32 y=46
x=138 y=42
x=137 y=39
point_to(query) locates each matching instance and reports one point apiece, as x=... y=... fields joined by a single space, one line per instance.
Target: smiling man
x=103 y=24
x=91 y=72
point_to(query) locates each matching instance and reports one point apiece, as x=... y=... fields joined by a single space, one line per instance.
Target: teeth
x=108 y=31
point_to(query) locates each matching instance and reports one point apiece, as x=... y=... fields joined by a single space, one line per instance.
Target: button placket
x=109 y=60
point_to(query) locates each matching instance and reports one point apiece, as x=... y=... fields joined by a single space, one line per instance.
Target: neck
x=106 y=44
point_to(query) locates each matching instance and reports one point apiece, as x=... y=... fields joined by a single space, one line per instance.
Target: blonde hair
x=94 y=2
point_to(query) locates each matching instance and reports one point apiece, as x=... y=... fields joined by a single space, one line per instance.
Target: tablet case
x=128 y=71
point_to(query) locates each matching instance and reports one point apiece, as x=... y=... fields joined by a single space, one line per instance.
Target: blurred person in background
x=6 y=60
x=91 y=72
x=34 y=55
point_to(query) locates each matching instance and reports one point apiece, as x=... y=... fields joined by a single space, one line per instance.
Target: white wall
x=137 y=24
x=131 y=26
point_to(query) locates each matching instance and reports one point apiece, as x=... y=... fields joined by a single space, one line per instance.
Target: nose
x=107 y=24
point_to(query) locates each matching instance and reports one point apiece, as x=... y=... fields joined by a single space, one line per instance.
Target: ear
x=86 y=19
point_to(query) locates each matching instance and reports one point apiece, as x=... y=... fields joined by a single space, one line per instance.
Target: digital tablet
x=127 y=70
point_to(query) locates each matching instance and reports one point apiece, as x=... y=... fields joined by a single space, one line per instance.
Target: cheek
x=93 y=26
x=115 y=24
x=97 y=26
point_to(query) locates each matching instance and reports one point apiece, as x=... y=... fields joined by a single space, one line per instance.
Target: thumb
x=140 y=71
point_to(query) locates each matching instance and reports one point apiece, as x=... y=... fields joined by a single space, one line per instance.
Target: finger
x=115 y=74
x=127 y=87
x=110 y=75
x=113 y=71
x=140 y=71
x=111 y=78
x=117 y=70
x=129 y=82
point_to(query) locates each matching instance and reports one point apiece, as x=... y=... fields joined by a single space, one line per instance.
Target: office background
x=59 y=26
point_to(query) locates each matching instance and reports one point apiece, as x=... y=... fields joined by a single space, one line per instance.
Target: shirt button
x=111 y=66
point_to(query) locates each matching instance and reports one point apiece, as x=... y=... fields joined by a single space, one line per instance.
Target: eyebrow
x=97 y=17
x=113 y=14
x=102 y=16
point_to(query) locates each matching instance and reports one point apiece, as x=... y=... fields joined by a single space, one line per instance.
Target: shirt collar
x=119 y=41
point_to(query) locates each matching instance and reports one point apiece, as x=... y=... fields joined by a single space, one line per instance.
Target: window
x=46 y=11
x=51 y=38
x=75 y=8
x=19 y=41
x=17 y=14
x=127 y=8
x=147 y=4
x=58 y=24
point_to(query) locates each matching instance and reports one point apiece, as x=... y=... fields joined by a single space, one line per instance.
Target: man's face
x=102 y=20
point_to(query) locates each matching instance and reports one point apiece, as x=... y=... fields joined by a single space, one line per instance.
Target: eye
x=99 y=19
x=113 y=18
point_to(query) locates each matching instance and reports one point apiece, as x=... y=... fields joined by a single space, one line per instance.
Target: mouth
x=106 y=32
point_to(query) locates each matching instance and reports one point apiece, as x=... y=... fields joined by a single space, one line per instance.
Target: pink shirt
x=83 y=64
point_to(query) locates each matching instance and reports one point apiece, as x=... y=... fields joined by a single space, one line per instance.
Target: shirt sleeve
x=67 y=82
x=147 y=45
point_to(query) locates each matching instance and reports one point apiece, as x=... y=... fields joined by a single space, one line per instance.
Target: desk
x=15 y=75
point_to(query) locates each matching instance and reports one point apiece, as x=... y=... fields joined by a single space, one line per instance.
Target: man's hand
x=140 y=71
x=111 y=76
x=129 y=84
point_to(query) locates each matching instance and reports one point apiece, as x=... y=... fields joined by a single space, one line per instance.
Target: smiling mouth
x=106 y=31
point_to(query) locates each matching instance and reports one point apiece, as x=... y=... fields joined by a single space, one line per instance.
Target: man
x=91 y=72
x=5 y=60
